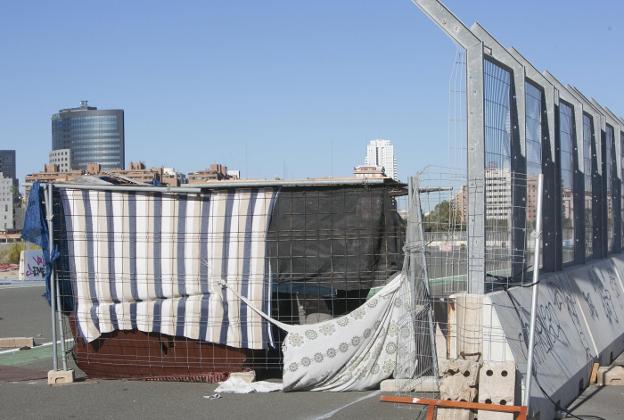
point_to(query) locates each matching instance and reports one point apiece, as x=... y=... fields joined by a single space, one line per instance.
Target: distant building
x=136 y=173
x=364 y=171
x=7 y=163
x=51 y=173
x=233 y=174
x=7 y=203
x=62 y=158
x=9 y=187
x=91 y=134
x=498 y=203
x=215 y=172
x=381 y=153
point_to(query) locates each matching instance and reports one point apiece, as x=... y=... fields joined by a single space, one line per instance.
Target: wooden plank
x=521 y=410
x=593 y=376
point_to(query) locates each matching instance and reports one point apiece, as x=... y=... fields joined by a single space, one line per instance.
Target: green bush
x=11 y=253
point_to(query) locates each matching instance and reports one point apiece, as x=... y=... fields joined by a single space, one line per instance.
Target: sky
x=276 y=88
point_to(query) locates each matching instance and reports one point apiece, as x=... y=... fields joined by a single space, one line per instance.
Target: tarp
x=152 y=262
x=338 y=238
x=35 y=230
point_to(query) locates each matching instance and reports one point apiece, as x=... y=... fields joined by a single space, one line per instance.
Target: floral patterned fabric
x=357 y=351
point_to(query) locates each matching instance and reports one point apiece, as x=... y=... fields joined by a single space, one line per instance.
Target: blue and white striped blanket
x=153 y=261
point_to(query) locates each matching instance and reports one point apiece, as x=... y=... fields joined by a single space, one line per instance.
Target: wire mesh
x=139 y=272
x=463 y=326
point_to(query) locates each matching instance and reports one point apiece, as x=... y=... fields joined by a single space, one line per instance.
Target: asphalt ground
x=24 y=393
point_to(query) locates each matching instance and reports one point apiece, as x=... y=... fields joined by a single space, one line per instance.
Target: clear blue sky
x=268 y=86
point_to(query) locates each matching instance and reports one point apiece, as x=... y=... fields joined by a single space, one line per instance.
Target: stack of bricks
x=459 y=383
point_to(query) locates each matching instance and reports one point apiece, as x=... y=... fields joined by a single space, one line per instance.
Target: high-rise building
x=92 y=135
x=7 y=163
x=7 y=203
x=8 y=190
x=381 y=153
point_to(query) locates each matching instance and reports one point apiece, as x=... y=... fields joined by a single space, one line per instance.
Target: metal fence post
x=416 y=249
x=536 y=259
x=54 y=281
x=48 y=202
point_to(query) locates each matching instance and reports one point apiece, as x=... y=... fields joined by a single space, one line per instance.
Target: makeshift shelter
x=140 y=268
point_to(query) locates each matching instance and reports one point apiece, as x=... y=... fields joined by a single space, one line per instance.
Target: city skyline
x=198 y=80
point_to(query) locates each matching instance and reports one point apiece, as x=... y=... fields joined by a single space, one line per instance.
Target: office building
x=92 y=136
x=381 y=153
x=7 y=203
x=62 y=158
x=7 y=163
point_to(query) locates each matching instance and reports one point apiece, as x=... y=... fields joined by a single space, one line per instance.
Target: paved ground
x=24 y=312
x=605 y=402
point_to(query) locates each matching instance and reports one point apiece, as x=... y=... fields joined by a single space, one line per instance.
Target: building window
x=533 y=101
x=498 y=137
x=588 y=170
x=566 y=165
x=610 y=176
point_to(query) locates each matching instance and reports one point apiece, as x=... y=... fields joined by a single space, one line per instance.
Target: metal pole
x=536 y=259
x=417 y=245
x=53 y=280
x=52 y=283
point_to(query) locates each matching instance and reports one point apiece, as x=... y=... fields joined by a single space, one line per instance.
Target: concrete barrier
x=580 y=321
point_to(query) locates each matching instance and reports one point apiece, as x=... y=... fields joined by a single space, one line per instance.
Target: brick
x=60 y=377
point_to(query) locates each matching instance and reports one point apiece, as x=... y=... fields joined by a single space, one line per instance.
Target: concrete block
x=60 y=377
x=455 y=414
x=16 y=342
x=468 y=369
x=455 y=388
x=497 y=383
x=423 y=384
x=611 y=375
x=247 y=377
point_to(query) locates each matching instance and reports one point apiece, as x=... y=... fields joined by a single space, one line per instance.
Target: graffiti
x=615 y=287
x=607 y=300
x=32 y=265
x=593 y=312
x=549 y=325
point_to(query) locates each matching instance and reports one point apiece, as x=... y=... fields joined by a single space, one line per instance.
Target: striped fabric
x=153 y=262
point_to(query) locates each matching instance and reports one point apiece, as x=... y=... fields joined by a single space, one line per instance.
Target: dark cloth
x=35 y=230
x=341 y=238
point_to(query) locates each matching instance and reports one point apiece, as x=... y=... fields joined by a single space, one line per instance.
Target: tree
x=445 y=216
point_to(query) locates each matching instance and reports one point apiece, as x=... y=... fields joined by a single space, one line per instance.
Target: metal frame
x=614 y=121
x=563 y=94
x=598 y=121
x=518 y=141
x=549 y=160
x=458 y=32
